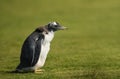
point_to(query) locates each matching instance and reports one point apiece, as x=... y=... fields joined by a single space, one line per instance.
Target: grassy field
x=89 y=49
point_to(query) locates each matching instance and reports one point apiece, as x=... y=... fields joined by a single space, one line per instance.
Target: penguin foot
x=39 y=71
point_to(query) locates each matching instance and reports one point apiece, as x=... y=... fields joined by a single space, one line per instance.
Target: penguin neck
x=49 y=36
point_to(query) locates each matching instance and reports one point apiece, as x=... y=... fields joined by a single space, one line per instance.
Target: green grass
x=89 y=49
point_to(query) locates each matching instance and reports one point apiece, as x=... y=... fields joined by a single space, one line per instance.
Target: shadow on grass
x=13 y=72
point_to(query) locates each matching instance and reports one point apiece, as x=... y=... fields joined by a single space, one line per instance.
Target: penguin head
x=55 y=26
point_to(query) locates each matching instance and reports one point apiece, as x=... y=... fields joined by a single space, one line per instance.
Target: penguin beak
x=62 y=28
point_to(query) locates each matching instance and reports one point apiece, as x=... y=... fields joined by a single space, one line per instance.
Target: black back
x=31 y=50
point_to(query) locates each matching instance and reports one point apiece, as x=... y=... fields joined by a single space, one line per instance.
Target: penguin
x=35 y=48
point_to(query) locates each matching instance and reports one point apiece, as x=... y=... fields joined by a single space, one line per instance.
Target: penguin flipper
x=30 y=50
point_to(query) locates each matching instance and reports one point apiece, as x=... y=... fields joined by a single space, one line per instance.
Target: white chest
x=48 y=37
x=45 y=47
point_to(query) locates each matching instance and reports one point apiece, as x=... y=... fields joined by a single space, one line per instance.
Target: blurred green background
x=89 y=49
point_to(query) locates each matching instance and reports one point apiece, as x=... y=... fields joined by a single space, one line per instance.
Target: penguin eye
x=55 y=25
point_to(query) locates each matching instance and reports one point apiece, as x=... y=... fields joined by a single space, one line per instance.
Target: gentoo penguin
x=36 y=47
